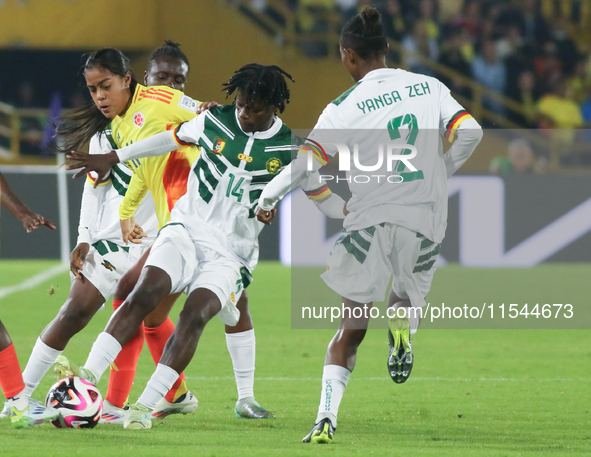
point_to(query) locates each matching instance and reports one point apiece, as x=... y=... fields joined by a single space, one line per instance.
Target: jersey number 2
x=410 y=121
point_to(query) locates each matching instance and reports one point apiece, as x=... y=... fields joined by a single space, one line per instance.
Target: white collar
x=380 y=73
x=269 y=133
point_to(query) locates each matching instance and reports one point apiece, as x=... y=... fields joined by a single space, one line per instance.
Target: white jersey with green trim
x=400 y=108
x=227 y=179
x=108 y=226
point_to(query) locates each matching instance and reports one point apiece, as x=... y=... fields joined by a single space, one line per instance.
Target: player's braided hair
x=76 y=127
x=365 y=35
x=265 y=83
x=170 y=48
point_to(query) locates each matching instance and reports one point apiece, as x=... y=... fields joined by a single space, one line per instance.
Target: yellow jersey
x=153 y=110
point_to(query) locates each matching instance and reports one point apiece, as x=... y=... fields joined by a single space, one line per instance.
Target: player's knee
x=355 y=337
x=143 y=300
x=194 y=319
x=75 y=316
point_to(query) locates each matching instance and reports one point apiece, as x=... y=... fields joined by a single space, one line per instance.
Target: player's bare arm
x=99 y=163
x=12 y=203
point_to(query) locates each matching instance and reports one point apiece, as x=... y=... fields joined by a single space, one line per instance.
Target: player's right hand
x=78 y=259
x=99 y=163
x=31 y=221
x=207 y=105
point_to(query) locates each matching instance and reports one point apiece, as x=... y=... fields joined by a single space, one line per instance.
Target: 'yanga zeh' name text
x=372 y=104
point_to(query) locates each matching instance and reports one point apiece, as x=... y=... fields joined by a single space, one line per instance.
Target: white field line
x=34 y=281
x=386 y=378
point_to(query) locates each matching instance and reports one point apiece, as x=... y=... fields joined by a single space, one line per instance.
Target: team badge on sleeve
x=273 y=165
x=188 y=103
x=138 y=119
x=218 y=146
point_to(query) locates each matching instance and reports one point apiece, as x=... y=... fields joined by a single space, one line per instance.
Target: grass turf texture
x=471 y=393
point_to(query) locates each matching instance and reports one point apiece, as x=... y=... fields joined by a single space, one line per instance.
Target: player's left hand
x=265 y=216
x=137 y=234
x=99 y=163
x=207 y=105
x=131 y=231
x=31 y=221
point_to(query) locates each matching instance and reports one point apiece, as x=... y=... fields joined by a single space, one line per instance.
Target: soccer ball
x=79 y=402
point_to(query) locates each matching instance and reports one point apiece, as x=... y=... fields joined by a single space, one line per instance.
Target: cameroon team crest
x=273 y=165
x=218 y=145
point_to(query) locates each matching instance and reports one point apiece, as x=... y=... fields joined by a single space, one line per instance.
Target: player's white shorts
x=192 y=266
x=362 y=263
x=106 y=262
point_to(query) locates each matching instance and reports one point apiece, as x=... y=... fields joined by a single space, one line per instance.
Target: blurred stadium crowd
x=514 y=48
x=505 y=45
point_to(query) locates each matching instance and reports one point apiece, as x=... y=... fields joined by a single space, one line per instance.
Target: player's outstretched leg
x=22 y=411
x=159 y=329
x=402 y=324
x=241 y=344
x=154 y=285
x=201 y=306
x=84 y=300
x=341 y=356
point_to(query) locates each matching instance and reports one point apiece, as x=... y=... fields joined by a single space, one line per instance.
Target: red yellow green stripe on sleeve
x=316 y=150
x=318 y=194
x=454 y=123
x=177 y=139
x=91 y=180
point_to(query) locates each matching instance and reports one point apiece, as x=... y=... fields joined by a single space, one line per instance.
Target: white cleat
x=185 y=404
x=139 y=417
x=113 y=414
x=33 y=414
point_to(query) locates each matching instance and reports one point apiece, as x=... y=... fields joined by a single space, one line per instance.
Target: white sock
x=242 y=349
x=334 y=383
x=41 y=360
x=103 y=353
x=158 y=386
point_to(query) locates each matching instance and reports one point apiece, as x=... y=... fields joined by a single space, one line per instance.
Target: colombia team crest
x=273 y=165
x=138 y=119
x=218 y=145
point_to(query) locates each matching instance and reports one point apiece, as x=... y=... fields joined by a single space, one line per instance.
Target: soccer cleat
x=5 y=410
x=400 y=359
x=248 y=408
x=185 y=404
x=34 y=414
x=139 y=417
x=322 y=433
x=64 y=368
x=113 y=414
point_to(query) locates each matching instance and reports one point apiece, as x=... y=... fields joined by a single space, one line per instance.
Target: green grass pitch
x=471 y=393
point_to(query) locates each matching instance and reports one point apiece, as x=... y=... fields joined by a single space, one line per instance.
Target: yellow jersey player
x=101 y=257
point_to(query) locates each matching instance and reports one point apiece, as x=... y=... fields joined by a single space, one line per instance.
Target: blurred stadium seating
x=513 y=64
